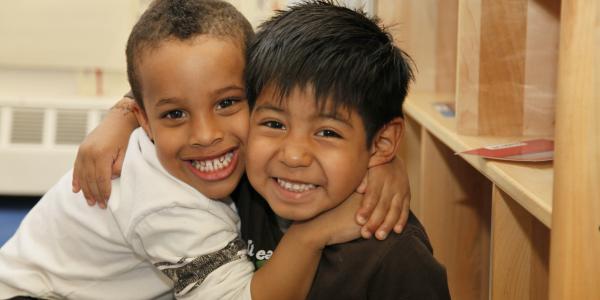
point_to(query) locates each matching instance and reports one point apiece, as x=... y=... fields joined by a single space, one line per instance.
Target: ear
x=142 y=118
x=386 y=142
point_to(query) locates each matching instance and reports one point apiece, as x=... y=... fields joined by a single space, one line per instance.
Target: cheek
x=257 y=164
x=170 y=140
x=344 y=173
x=258 y=152
x=242 y=129
x=242 y=124
x=166 y=147
x=167 y=155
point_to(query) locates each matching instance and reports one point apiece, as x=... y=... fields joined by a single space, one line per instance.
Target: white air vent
x=71 y=126
x=43 y=132
x=27 y=126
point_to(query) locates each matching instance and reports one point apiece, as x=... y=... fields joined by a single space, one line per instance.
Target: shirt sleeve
x=199 y=251
x=409 y=271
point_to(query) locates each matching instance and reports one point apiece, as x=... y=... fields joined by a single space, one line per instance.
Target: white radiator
x=39 y=139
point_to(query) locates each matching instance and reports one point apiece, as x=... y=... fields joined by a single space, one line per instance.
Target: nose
x=295 y=153
x=205 y=131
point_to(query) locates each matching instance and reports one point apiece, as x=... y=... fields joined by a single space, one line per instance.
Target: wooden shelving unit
x=529 y=184
x=514 y=70
x=489 y=221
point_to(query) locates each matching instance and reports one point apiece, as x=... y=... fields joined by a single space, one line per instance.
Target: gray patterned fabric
x=194 y=270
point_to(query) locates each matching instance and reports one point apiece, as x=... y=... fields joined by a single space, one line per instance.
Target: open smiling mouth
x=215 y=168
x=295 y=187
x=215 y=164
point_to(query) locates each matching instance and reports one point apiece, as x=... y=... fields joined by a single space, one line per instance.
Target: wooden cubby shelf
x=529 y=184
x=513 y=70
x=489 y=221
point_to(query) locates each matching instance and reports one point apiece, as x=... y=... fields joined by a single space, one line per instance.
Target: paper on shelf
x=538 y=150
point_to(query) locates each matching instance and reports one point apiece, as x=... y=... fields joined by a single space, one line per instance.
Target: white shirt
x=159 y=236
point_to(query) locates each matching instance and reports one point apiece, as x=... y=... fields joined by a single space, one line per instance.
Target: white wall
x=65 y=34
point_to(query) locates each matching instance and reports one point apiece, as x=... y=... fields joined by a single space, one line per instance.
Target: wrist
x=308 y=235
x=123 y=112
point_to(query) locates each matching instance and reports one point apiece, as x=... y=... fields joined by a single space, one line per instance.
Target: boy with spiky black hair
x=326 y=85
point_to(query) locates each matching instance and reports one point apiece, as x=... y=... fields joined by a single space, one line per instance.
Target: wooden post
x=504 y=86
x=575 y=242
x=455 y=209
x=426 y=30
x=520 y=247
x=410 y=152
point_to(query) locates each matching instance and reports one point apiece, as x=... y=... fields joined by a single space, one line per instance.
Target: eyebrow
x=228 y=88
x=262 y=107
x=335 y=116
x=165 y=101
x=222 y=90
x=322 y=115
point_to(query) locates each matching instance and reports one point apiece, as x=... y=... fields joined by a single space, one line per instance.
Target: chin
x=216 y=195
x=293 y=214
x=219 y=190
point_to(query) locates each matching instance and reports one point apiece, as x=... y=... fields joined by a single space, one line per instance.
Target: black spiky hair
x=343 y=54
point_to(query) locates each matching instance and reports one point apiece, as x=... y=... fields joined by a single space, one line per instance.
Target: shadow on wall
x=12 y=211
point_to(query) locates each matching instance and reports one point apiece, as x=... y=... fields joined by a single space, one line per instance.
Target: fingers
x=91 y=193
x=369 y=202
x=377 y=217
x=102 y=181
x=362 y=188
x=403 y=215
x=117 y=165
x=85 y=189
x=364 y=211
x=75 y=181
x=391 y=219
x=79 y=181
x=75 y=186
x=85 y=172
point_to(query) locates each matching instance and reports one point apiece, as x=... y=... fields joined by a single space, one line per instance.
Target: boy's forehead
x=176 y=67
x=326 y=106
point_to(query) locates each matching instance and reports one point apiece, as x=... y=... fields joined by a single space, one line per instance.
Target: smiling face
x=196 y=111
x=304 y=161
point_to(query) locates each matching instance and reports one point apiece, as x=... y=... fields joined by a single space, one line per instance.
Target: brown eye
x=328 y=133
x=174 y=114
x=273 y=124
x=227 y=103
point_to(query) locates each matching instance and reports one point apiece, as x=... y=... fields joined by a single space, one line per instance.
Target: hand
x=386 y=201
x=338 y=224
x=100 y=156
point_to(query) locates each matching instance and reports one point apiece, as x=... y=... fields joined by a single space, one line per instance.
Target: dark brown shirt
x=401 y=267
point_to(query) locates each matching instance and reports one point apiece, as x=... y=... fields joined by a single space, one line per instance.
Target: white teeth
x=211 y=165
x=295 y=187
